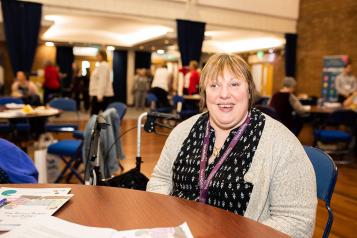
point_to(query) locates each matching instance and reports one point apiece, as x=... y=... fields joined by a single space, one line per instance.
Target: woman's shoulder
x=277 y=131
x=183 y=129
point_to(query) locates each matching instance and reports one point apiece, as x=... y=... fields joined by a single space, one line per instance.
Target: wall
x=325 y=27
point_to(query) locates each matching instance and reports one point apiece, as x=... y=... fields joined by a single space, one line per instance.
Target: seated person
x=15 y=165
x=346 y=83
x=25 y=89
x=236 y=158
x=286 y=104
x=351 y=101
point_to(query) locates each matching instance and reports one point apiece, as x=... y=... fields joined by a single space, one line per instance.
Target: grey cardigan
x=284 y=193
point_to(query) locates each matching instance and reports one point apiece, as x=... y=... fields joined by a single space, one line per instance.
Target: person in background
x=52 y=84
x=25 y=89
x=161 y=85
x=76 y=84
x=288 y=107
x=351 y=101
x=192 y=79
x=346 y=83
x=236 y=158
x=85 y=90
x=100 y=84
x=140 y=88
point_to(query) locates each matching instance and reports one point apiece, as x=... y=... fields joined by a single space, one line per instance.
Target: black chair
x=326 y=176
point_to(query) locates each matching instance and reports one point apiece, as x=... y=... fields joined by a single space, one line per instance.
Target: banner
x=332 y=66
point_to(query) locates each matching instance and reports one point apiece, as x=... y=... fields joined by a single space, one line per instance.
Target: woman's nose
x=225 y=91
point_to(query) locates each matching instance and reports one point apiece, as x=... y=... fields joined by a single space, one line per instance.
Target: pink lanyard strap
x=204 y=183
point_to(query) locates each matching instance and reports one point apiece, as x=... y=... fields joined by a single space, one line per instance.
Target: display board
x=332 y=66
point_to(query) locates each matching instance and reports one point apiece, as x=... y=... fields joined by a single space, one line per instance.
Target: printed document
x=53 y=227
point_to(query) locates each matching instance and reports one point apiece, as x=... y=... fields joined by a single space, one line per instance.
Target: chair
x=70 y=152
x=336 y=134
x=153 y=102
x=185 y=110
x=326 y=176
x=120 y=107
x=67 y=105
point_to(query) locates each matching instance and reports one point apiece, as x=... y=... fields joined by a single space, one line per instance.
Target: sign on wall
x=332 y=66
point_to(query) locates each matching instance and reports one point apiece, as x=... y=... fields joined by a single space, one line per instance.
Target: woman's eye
x=213 y=85
x=235 y=84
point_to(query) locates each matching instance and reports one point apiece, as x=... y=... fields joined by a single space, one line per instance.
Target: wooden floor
x=344 y=200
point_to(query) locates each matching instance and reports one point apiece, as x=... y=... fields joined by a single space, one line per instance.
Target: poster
x=332 y=66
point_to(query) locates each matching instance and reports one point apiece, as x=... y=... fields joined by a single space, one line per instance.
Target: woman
x=22 y=87
x=285 y=103
x=236 y=158
x=100 y=85
x=25 y=89
x=52 y=84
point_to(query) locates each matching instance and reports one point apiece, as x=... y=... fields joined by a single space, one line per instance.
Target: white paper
x=53 y=227
x=20 y=209
x=8 y=192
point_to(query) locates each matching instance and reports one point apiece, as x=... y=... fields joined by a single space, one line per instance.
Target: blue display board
x=333 y=66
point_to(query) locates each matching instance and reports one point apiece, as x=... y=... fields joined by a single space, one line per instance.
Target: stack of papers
x=53 y=227
x=20 y=204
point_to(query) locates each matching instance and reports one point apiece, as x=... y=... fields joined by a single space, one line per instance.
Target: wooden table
x=323 y=110
x=123 y=209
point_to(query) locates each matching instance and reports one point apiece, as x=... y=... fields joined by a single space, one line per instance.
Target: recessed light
x=110 y=48
x=160 y=51
x=50 y=44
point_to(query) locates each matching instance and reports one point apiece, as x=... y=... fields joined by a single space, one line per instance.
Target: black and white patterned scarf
x=227 y=190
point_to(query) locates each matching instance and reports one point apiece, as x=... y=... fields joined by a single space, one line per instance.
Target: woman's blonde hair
x=216 y=66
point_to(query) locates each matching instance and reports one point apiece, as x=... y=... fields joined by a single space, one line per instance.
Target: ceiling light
x=110 y=48
x=49 y=43
x=160 y=51
x=249 y=44
x=85 y=51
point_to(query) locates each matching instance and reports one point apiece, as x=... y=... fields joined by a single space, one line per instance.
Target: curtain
x=22 y=21
x=190 y=35
x=142 y=60
x=120 y=61
x=290 y=54
x=64 y=60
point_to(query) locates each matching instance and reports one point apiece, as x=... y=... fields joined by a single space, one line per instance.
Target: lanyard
x=204 y=183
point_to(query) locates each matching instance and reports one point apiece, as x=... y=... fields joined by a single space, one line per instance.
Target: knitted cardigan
x=284 y=194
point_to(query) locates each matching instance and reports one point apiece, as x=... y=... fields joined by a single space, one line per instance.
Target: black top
x=227 y=190
x=281 y=103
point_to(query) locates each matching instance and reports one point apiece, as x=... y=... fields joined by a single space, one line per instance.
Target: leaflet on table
x=53 y=227
x=8 y=192
x=17 y=210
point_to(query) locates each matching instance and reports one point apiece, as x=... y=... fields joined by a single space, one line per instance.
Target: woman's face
x=227 y=99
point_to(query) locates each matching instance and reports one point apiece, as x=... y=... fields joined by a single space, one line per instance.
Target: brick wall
x=325 y=27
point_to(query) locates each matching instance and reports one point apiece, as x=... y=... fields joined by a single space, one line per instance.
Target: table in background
x=124 y=209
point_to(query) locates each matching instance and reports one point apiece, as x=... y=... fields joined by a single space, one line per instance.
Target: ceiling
x=231 y=26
